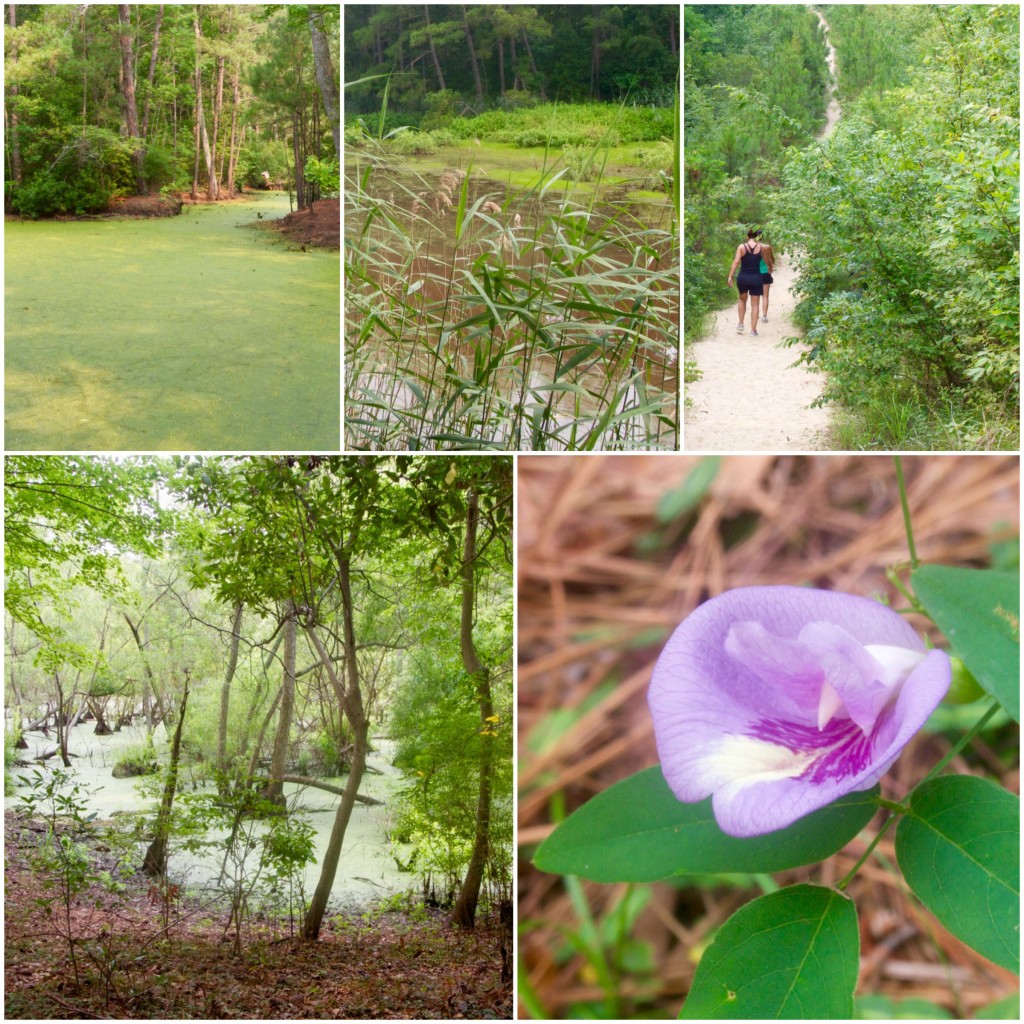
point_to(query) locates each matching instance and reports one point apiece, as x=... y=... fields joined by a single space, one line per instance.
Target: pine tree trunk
x=131 y=114
x=12 y=117
x=218 y=102
x=472 y=59
x=325 y=75
x=151 y=77
x=232 y=151
x=433 y=50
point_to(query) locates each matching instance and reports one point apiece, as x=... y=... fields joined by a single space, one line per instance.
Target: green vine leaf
x=959 y=850
x=792 y=954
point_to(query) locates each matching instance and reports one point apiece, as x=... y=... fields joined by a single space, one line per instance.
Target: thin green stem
x=963 y=741
x=899 y=809
x=906 y=511
x=848 y=877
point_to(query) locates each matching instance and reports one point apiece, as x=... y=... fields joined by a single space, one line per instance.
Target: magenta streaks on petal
x=844 y=749
x=777 y=701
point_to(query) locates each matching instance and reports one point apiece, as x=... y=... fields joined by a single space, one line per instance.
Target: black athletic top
x=750 y=261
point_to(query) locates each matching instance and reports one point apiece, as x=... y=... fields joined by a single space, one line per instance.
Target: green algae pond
x=196 y=332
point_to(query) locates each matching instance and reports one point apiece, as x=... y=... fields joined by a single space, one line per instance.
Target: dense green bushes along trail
x=903 y=223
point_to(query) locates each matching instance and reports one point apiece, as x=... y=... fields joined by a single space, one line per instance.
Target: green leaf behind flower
x=959 y=850
x=979 y=611
x=793 y=955
x=637 y=831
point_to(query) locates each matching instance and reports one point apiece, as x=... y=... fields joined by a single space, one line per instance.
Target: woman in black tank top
x=748 y=259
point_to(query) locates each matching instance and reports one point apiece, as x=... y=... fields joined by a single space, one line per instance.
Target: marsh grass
x=478 y=318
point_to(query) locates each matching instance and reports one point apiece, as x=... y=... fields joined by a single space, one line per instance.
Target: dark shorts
x=767 y=279
x=749 y=283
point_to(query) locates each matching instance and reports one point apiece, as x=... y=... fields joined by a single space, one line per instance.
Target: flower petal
x=744 y=701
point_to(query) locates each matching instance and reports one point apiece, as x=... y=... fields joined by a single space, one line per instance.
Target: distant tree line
x=490 y=55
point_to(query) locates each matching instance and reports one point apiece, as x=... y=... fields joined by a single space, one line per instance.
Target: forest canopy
x=105 y=101
x=473 y=58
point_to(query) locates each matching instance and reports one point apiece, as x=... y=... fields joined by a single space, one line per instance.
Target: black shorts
x=749 y=283
x=767 y=279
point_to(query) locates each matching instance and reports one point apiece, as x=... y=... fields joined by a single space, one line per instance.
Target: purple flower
x=779 y=700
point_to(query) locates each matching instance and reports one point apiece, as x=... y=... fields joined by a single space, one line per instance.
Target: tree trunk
x=155 y=862
x=12 y=116
x=149 y=678
x=501 y=65
x=150 y=78
x=325 y=74
x=595 y=53
x=351 y=699
x=225 y=690
x=198 y=80
x=275 y=787
x=433 y=50
x=464 y=914
x=235 y=101
x=472 y=59
x=218 y=102
x=533 y=63
x=131 y=114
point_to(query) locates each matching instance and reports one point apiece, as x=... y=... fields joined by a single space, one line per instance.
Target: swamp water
x=366 y=869
x=193 y=332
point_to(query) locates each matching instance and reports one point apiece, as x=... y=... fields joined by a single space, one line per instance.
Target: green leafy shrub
x=413 y=143
x=138 y=759
x=443 y=137
x=325 y=174
x=47 y=193
x=441 y=109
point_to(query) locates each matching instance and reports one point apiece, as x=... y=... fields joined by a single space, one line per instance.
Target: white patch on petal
x=829 y=703
x=896 y=662
x=746 y=760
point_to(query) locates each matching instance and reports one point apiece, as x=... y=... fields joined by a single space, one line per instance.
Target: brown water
x=536 y=308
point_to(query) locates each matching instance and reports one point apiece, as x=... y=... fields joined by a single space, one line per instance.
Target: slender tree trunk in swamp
x=351 y=698
x=275 y=788
x=464 y=914
x=225 y=690
x=155 y=862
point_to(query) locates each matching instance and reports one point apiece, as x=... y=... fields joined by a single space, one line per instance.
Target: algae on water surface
x=170 y=334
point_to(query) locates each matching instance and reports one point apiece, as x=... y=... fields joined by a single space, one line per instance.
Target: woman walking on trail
x=767 y=263
x=748 y=259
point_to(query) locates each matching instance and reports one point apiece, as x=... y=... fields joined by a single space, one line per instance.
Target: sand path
x=750 y=396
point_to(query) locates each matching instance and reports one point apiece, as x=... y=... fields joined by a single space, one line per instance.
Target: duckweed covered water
x=366 y=871
x=191 y=332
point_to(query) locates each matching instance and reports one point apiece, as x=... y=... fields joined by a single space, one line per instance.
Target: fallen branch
x=302 y=780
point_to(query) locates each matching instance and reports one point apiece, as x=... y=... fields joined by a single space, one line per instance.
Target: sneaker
x=764 y=319
x=754 y=334
x=739 y=328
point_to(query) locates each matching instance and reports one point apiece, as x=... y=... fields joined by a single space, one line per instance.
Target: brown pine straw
x=602 y=583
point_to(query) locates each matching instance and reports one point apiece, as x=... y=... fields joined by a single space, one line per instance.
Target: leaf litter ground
x=385 y=966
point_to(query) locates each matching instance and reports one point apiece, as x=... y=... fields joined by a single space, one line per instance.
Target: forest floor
x=140 y=958
x=319 y=225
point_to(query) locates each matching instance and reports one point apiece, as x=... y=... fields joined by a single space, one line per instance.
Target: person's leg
x=767 y=289
x=755 y=303
x=742 y=310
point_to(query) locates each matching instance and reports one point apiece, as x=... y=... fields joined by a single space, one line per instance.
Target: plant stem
x=899 y=809
x=906 y=511
x=962 y=742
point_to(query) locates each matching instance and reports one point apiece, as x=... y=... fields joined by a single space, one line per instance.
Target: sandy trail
x=750 y=396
